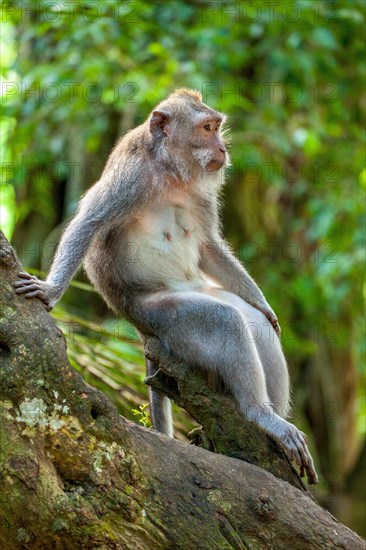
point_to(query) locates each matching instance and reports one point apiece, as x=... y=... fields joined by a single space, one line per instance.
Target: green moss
x=60 y=525
x=7 y=312
x=215 y=497
x=106 y=452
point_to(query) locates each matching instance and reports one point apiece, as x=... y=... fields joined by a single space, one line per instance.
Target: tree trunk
x=75 y=474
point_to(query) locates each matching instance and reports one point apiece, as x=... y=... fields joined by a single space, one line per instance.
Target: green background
x=290 y=76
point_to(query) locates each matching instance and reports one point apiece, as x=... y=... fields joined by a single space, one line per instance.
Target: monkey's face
x=190 y=133
x=210 y=149
x=198 y=141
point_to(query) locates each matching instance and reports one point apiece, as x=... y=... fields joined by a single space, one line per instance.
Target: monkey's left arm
x=110 y=197
x=219 y=263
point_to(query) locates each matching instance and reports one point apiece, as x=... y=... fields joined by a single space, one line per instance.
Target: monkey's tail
x=160 y=406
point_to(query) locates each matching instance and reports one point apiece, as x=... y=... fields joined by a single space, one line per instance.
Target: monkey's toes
x=307 y=465
x=298 y=452
x=307 y=461
x=311 y=473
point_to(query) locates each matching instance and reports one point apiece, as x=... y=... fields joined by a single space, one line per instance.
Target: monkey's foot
x=295 y=443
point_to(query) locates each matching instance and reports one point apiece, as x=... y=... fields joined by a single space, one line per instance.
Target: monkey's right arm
x=103 y=202
x=220 y=264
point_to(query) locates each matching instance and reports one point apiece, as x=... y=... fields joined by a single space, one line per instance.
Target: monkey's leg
x=211 y=334
x=160 y=406
x=269 y=350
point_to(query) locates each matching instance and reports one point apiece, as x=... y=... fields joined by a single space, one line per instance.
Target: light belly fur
x=165 y=243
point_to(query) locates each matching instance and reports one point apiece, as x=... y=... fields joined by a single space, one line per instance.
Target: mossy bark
x=75 y=474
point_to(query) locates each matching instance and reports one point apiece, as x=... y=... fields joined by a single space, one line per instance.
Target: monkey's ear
x=158 y=123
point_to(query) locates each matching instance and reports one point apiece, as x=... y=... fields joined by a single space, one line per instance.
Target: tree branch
x=75 y=474
x=225 y=430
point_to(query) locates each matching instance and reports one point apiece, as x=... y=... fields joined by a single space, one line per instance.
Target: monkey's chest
x=167 y=242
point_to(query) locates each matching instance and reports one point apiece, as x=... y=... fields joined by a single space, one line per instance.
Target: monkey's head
x=189 y=132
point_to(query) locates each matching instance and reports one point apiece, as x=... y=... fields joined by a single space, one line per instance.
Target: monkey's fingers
x=25 y=284
x=277 y=329
x=36 y=294
x=26 y=280
x=32 y=289
x=27 y=287
x=25 y=275
x=274 y=322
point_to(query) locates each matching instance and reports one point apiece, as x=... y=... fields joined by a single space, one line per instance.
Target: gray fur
x=148 y=232
x=161 y=407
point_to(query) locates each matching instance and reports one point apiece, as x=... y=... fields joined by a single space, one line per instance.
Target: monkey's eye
x=207 y=127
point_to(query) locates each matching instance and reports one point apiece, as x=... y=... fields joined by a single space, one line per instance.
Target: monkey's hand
x=271 y=316
x=34 y=288
x=274 y=322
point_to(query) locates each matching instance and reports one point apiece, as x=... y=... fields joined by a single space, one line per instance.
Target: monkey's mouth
x=215 y=165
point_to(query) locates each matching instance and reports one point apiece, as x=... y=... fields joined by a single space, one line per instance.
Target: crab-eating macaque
x=149 y=235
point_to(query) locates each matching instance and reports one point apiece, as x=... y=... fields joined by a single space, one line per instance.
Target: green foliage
x=142 y=415
x=110 y=357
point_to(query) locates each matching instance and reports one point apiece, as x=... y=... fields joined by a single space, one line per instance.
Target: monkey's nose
x=223 y=150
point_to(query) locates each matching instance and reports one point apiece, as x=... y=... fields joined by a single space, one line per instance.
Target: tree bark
x=75 y=474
